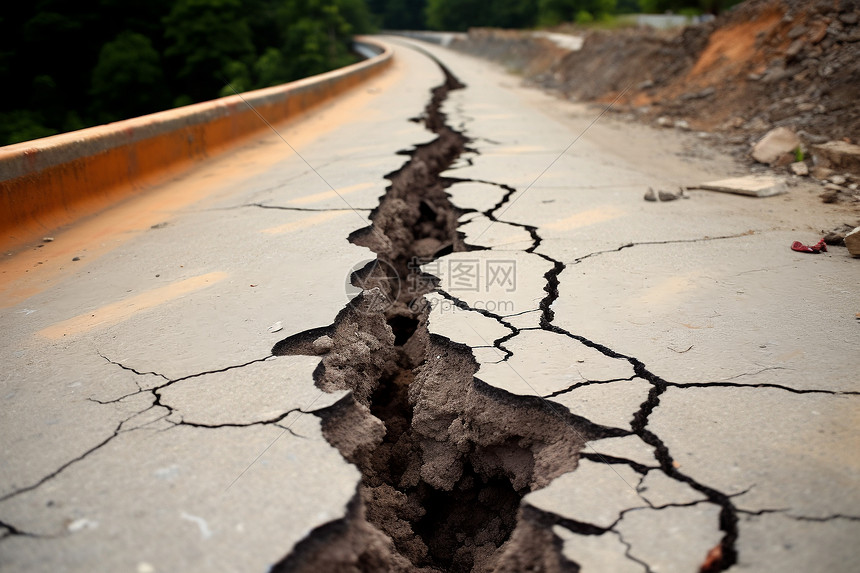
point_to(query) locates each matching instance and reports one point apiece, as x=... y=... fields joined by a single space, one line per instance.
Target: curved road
x=594 y=379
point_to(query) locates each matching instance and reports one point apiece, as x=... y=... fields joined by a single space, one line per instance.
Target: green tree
x=22 y=125
x=127 y=80
x=204 y=37
x=356 y=13
x=271 y=68
x=678 y=6
x=461 y=14
x=237 y=77
x=454 y=14
x=317 y=37
x=399 y=14
x=552 y=12
x=73 y=64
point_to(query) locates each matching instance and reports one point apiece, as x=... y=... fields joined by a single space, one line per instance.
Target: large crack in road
x=445 y=459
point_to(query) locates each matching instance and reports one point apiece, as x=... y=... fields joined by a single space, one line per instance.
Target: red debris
x=816 y=248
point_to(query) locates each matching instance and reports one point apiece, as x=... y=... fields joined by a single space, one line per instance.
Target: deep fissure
x=445 y=459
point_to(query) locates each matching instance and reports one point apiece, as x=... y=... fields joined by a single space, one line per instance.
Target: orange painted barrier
x=50 y=182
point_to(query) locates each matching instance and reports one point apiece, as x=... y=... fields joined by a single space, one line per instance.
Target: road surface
x=519 y=363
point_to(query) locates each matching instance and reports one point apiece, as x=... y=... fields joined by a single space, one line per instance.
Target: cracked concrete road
x=697 y=376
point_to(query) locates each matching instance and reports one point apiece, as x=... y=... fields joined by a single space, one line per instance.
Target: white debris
x=205 y=532
x=564 y=41
x=751 y=185
x=81 y=524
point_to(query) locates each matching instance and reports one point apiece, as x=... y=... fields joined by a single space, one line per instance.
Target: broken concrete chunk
x=626 y=447
x=674 y=539
x=660 y=490
x=777 y=143
x=462 y=325
x=751 y=185
x=838 y=155
x=597 y=552
x=322 y=344
x=799 y=168
x=852 y=241
x=611 y=404
x=596 y=494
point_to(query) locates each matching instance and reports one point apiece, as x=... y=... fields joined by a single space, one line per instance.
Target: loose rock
x=799 y=168
x=838 y=155
x=776 y=144
x=829 y=196
x=322 y=344
x=836 y=237
x=852 y=241
x=820 y=172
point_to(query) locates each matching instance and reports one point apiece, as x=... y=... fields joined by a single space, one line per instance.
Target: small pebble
x=322 y=344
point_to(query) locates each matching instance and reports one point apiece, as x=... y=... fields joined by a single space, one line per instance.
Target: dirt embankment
x=767 y=63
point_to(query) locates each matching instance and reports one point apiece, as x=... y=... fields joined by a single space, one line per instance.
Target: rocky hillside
x=765 y=64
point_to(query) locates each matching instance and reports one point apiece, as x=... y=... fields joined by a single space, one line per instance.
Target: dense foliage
x=70 y=64
x=461 y=14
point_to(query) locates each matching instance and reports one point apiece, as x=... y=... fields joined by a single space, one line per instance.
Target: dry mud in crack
x=445 y=458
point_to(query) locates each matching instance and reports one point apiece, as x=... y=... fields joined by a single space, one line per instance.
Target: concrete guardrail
x=50 y=182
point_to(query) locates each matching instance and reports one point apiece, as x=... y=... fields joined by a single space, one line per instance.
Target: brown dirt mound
x=766 y=63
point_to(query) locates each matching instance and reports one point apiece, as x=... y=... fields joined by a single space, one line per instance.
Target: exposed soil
x=445 y=459
x=764 y=64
